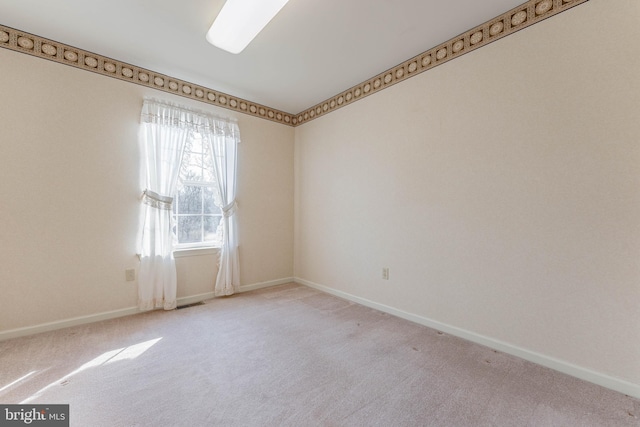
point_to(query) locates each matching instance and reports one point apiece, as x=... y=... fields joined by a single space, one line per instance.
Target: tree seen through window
x=196 y=216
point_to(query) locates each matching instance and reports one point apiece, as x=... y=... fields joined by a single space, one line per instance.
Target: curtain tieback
x=230 y=209
x=156 y=200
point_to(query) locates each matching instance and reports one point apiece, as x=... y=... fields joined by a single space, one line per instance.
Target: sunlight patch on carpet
x=125 y=353
x=19 y=380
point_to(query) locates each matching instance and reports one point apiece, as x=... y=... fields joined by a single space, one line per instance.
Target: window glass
x=196 y=216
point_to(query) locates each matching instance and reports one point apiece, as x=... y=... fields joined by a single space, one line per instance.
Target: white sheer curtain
x=165 y=129
x=163 y=137
x=224 y=146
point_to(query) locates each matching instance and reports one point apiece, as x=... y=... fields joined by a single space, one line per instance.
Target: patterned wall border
x=523 y=16
x=20 y=41
x=516 y=19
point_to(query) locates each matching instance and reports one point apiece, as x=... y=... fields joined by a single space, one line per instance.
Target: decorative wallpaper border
x=523 y=16
x=30 y=44
x=516 y=19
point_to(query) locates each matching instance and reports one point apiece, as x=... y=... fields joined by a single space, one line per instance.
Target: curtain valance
x=163 y=113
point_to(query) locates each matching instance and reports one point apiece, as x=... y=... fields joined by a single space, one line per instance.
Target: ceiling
x=309 y=52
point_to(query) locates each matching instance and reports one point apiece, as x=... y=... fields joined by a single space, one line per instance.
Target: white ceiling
x=309 y=52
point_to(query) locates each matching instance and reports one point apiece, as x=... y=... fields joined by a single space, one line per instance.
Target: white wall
x=69 y=195
x=502 y=189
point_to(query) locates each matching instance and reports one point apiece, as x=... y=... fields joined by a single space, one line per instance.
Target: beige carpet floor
x=291 y=356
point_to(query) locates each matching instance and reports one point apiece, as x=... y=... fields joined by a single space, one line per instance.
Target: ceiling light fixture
x=240 y=21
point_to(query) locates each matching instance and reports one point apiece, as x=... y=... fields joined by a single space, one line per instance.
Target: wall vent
x=189 y=305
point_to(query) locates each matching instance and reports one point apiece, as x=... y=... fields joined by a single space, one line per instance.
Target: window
x=195 y=214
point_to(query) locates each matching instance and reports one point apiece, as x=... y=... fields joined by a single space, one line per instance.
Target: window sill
x=187 y=252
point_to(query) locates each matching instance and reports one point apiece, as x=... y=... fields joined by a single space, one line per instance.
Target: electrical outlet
x=130 y=274
x=385 y=273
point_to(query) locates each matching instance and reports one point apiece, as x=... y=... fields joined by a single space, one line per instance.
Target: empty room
x=355 y=213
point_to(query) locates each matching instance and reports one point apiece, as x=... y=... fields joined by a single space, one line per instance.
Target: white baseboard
x=74 y=321
x=60 y=324
x=598 y=378
x=260 y=285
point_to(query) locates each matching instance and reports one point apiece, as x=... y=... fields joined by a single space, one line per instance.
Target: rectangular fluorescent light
x=240 y=21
